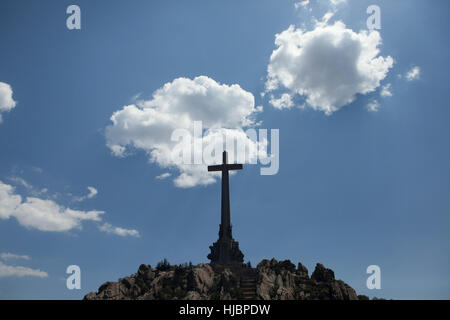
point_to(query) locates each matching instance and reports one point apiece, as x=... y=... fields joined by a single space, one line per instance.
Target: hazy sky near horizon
x=86 y=116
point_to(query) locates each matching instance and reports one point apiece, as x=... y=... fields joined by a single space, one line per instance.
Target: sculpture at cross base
x=226 y=250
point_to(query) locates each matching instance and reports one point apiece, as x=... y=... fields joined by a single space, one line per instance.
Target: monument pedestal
x=225 y=251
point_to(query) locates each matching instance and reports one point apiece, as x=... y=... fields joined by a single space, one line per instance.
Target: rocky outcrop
x=273 y=280
x=322 y=274
x=282 y=281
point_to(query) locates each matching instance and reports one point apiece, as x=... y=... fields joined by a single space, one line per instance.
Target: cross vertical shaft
x=225 y=212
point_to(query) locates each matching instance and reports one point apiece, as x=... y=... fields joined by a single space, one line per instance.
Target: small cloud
x=108 y=228
x=92 y=193
x=338 y=2
x=37 y=169
x=373 y=106
x=326 y=17
x=163 y=176
x=136 y=97
x=303 y=4
x=284 y=102
x=19 y=271
x=7 y=256
x=386 y=91
x=413 y=74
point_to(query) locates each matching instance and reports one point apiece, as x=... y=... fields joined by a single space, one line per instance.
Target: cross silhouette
x=225 y=226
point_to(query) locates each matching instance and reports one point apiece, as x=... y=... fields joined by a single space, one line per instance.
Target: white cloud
x=44 y=215
x=6 y=100
x=386 y=91
x=373 y=106
x=108 y=228
x=326 y=17
x=329 y=65
x=303 y=3
x=284 y=102
x=47 y=215
x=148 y=125
x=413 y=74
x=337 y=2
x=7 y=256
x=163 y=176
x=92 y=193
x=18 y=271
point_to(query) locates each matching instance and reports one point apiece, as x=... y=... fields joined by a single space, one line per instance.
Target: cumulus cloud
x=328 y=65
x=7 y=256
x=40 y=214
x=148 y=125
x=7 y=102
x=413 y=74
x=19 y=271
x=108 y=228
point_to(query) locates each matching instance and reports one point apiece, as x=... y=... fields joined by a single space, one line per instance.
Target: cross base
x=225 y=251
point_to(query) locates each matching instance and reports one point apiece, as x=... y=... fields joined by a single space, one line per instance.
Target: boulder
x=322 y=274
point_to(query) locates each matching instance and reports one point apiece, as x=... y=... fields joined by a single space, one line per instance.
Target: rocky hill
x=270 y=280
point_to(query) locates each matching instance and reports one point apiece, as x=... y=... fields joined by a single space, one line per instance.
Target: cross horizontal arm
x=221 y=167
x=233 y=166
x=215 y=168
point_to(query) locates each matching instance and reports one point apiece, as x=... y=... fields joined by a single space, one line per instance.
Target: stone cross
x=225 y=251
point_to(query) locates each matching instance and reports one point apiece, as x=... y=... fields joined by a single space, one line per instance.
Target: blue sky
x=355 y=187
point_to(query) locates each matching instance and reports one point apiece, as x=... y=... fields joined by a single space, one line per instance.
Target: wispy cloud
x=300 y=4
x=108 y=228
x=8 y=256
x=21 y=182
x=163 y=176
x=19 y=271
x=92 y=193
